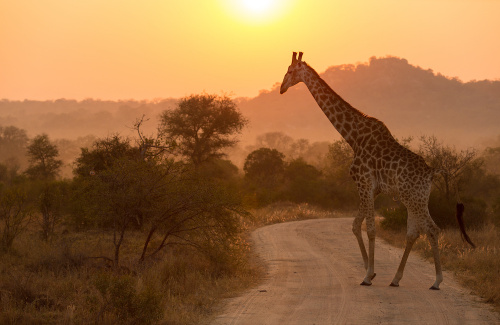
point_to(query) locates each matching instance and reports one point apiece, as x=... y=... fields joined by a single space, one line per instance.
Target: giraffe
x=380 y=165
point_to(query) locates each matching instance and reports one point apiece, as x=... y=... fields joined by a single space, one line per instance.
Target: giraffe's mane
x=323 y=82
x=355 y=110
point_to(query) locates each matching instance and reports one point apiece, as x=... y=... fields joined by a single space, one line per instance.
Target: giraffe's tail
x=460 y=219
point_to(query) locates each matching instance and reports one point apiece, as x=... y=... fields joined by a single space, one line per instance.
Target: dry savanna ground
x=67 y=281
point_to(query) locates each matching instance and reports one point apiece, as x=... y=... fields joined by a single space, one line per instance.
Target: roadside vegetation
x=153 y=229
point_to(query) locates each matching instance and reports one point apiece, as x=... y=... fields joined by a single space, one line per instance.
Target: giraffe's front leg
x=366 y=212
x=370 y=271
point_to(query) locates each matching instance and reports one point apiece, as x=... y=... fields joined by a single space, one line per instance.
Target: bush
x=122 y=299
x=443 y=213
x=394 y=218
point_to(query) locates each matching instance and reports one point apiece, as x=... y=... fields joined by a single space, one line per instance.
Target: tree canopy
x=42 y=155
x=202 y=126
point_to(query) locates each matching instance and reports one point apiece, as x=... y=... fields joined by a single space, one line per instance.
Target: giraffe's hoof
x=434 y=288
x=364 y=283
x=394 y=285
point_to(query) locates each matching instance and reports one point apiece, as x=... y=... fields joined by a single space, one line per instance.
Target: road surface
x=314 y=268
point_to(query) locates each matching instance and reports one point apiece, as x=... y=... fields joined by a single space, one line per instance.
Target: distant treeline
x=408 y=99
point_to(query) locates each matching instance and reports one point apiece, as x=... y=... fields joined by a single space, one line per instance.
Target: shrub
x=394 y=218
x=122 y=299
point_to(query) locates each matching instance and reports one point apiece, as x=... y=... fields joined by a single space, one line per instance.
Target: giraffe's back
x=392 y=169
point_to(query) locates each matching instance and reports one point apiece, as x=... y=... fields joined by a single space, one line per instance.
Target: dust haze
x=410 y=100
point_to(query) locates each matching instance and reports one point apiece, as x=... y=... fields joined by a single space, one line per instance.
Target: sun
x=255 y=11
x=258 y=7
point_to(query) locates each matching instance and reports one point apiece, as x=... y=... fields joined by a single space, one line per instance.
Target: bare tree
x=453 y=163
x=15 y=214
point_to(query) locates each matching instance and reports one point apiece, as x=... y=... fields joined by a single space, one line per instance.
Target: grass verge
x=286 y=211
x=477 y=269
x=62 y=282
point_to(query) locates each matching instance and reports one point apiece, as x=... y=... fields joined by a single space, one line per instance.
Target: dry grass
x=477 y=269
x=67 y=281
x=59 y=284
x=285 y=211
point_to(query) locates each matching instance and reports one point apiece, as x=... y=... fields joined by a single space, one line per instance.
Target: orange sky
x=124 y=49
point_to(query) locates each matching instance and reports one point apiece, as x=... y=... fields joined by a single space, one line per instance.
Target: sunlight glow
x=258 y=6
x=256 y=11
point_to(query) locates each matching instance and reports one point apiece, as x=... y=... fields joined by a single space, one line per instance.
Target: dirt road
x=314 y=271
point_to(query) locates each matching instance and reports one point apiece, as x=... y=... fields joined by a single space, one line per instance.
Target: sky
x=129 y=49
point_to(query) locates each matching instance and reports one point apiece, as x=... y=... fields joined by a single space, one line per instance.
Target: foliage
x=340 y=156
x=51 y=205
x=60 y=283
x=172 y=201
x=312 y=153
x=9 y=175
x=341 y=186
x=492 y=159
x=265 y=167
x=122 y=299
x=450 y=161
x=264 y=171
x=42 y=156
x=202 y=126
x=13 y=143
x=15 y=215
x=463 y=178
x=303 y=183
x=394 y=218
x=103 y=155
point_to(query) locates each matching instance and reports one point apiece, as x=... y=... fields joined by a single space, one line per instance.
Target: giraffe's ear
x=294 y=57
x=300 y=56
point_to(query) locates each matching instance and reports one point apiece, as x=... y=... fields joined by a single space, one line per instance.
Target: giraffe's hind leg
x=433 y=235
x=412 y=233
x=411 y=237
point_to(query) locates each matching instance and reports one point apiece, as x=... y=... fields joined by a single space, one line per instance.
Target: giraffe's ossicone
x=380 y=165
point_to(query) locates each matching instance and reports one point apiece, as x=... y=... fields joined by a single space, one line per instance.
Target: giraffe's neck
x=345 y=118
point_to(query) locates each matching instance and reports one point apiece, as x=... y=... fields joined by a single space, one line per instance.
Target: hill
x=409 y=99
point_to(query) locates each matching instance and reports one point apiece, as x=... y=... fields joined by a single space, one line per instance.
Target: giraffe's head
x=293 y=75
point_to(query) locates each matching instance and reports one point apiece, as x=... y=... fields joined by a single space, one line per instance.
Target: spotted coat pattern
x=380 y=165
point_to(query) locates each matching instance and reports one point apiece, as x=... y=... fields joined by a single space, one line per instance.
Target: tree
x=275 y=140
x=491 y=157
x=13 y=143
x=461 y=177
x=339 y=160
x=42 y=158
x=15 y=215
x=303 y=183
x=202 y=126
x=103 y=154
x=450 y=161
x=122 y=187
x=265 y=167
x=50 y=203
x=341 y=186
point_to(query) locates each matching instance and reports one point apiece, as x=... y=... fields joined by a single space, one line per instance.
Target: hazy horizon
x=169 y=49
x=410 y=100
